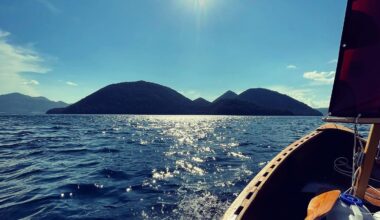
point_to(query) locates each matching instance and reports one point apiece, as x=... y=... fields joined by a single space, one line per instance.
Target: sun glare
x=201 y=3
x=198 y=4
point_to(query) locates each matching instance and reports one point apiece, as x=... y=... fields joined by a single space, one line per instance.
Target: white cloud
x=31 y=82
x=320 y=77
x=71 y=83
x=333 y=61
x=305 y=95
x=15 y=60
x=291 y=66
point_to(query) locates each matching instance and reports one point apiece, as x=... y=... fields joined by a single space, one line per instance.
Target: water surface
x=134 y=167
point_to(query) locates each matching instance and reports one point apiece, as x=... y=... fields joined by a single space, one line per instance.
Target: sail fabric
x=356 y=87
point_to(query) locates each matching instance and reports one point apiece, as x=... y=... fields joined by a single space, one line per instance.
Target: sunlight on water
x=162 y=174
x=144 y=167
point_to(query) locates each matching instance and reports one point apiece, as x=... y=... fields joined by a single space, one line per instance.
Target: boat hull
x=284 y=187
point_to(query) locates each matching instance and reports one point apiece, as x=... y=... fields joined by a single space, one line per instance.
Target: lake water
x=134 y=167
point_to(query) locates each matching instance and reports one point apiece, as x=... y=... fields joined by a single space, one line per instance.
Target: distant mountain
x=131 y=98
x=200 y=106
x=201 y=102
x=149 y=98
x=16 y=103
x=240 y=107
x=324 y=111
x=275 y=100
x=227 y=95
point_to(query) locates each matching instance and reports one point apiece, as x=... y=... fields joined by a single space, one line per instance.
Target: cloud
x=291 y=66
x=305 y=95
x=71 y=83
x=15 y=60
x=320 y=77
x=333 y=61
x=49 y=6
x=4 y=34
x=31 y=82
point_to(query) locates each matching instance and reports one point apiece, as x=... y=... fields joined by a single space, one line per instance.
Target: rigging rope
x=342 y=165
x=356 y=161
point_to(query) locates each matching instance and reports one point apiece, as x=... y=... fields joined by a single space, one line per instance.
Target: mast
x=356 y=91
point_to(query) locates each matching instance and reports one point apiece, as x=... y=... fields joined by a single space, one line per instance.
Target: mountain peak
x=230 y=93
x=201 y=102
x=227 y=95
x=200 y=99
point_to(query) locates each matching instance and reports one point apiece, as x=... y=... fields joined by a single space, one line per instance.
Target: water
x=134 y=167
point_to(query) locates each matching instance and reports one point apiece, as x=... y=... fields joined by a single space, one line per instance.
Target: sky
x=67 y=49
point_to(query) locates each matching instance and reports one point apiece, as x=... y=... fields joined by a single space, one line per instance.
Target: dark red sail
x=357 y=82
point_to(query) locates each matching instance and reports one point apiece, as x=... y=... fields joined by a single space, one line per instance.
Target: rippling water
x=135 y=167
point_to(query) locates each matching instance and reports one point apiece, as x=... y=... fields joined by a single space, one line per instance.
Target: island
x=143 y=97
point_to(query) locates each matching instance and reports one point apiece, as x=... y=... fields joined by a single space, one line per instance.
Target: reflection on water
x=134 y=166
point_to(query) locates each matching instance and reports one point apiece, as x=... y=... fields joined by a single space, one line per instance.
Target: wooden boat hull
x=284 y=187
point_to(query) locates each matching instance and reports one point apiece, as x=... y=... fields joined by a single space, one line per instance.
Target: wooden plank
x=372 y=196
x=352 y=120
x=369 y=158
x=334 y=126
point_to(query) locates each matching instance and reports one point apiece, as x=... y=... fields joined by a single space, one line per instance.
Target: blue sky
x=67 y=49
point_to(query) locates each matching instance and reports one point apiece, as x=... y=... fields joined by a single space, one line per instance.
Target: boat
x=333 y=172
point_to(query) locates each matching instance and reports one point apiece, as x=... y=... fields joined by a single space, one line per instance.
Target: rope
x=342 y=166
x=355 y=157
